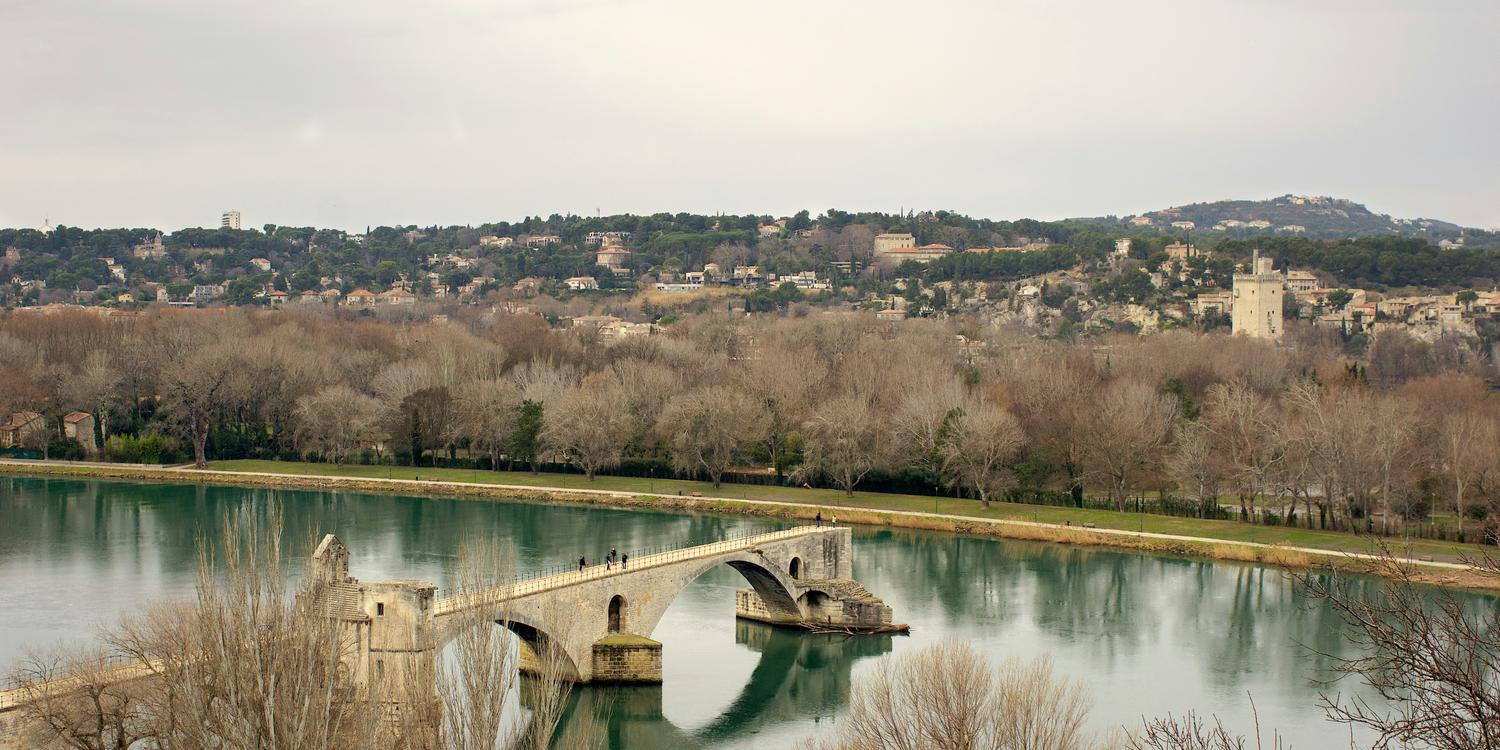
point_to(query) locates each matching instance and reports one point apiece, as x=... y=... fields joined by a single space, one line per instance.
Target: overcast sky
x=345 y=113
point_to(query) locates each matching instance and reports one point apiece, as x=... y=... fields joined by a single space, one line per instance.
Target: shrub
x=150 y=448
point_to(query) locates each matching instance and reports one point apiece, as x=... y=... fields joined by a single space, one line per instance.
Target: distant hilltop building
x=894 y=247
x=152 y=250
x=893 y=240
x=1181 y=251
x=1256 y=310
x=230 y=220
x=612 y=256
x=606 y=238
x=924 y=254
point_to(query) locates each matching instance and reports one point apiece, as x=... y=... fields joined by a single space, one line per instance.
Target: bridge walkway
x=545 y=581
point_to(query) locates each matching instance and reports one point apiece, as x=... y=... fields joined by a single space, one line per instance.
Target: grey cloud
x=165 y=112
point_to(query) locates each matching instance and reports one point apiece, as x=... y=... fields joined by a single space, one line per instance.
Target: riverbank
x=1286 y=547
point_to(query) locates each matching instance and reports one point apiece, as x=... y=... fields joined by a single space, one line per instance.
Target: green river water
x=1147 y=634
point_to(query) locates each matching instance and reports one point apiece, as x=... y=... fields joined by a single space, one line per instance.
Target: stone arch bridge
x=600 y=618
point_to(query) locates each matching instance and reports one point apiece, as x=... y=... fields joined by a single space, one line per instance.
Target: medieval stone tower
x=1257 y=300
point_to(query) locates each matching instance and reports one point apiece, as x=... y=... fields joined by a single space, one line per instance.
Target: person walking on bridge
x=582 y=562
x=624 y=561
x=818 y=520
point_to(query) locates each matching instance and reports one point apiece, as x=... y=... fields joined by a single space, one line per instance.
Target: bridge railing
x=112 y=667
x=557 y=576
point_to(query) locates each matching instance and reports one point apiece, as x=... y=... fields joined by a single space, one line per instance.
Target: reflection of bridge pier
x=799 y=675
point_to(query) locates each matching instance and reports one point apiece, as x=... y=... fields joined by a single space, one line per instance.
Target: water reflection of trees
x=1240 y=624
x=123 y=519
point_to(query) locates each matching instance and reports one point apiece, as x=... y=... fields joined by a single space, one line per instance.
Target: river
x=1148 y=634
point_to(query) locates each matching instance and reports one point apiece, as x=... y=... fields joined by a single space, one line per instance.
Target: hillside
x=1314 y=216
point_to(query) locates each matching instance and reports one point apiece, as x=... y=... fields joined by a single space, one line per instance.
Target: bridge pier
x=624 y=658
x=840 y=604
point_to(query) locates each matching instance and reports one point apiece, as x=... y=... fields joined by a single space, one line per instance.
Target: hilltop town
x=631 y=275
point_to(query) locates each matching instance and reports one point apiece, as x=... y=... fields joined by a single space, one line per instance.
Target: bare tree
x=948 y=696
x=1053 y=392
x=474 y=686
x=1466 y=444
x=1245 y=428
x=784 y=380
x=1133 y=421
x=983 y=439
x=1317 y=438
x=486 y=415
x=78 y=700
x=708 y=428
x=925 y=418
x=335 y=420
x=96 y=387
x=544 y=382
x=1196 y=465
x=647 y=387
x=1391 y=445
x=252 y=663
x=1397 y=356
x=842 y=441
x=248 y=662
x=1431 y=660
x=399 y=380
x=590 y=425
x=1191 y=732
x=197 y=389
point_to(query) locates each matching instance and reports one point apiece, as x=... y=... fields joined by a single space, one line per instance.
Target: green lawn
x=1225 y=530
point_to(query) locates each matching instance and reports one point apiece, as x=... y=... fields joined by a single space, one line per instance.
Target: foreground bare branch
x=948 y=696
x=1434 y=664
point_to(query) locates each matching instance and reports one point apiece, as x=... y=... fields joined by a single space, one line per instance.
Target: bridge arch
x=537 y=645
x=579 y=611
x=568 y=626
x=765 y=576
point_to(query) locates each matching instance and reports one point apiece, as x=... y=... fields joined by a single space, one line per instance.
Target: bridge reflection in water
x=800 y=676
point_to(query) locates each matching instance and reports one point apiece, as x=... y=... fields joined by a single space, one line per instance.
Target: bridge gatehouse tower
x=388 y=625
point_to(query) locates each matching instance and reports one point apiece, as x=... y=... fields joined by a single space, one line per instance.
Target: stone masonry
x=601 y=620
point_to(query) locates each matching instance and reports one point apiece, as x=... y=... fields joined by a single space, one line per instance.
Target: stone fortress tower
x=1256 y=307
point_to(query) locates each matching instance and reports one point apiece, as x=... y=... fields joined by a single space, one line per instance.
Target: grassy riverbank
x=1229 y=531
x=1219 y=539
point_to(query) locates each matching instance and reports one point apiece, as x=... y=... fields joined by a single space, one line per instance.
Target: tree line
x=1298 y=433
